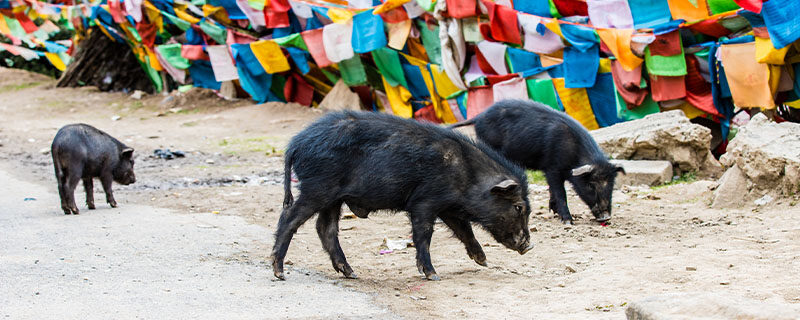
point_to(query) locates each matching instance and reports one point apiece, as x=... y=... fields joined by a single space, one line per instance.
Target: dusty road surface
x=664 y=239
x=143 y=262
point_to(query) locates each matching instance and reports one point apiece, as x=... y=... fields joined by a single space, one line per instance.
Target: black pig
x=372 y=161
x=82 y=152
x=541 y=138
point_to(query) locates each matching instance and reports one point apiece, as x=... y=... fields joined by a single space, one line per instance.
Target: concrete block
x=644 y=172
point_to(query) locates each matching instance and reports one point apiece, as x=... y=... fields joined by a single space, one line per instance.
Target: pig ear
x=620 y=169
x=579 y=171
x=127 y=153
x=505 y=187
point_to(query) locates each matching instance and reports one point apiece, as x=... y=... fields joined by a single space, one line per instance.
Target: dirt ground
x=663 y=239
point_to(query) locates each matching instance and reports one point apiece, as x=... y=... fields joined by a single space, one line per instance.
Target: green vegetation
x=686 y=177
x=17 y=87
x=536 y=177
x=255 y=144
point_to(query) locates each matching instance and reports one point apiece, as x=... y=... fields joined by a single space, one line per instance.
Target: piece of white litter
x=763 y=200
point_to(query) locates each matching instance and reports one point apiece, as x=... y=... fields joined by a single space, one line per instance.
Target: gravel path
x=143 y=262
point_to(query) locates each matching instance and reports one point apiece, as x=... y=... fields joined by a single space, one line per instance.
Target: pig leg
x=422 y=231
x=88 y=186
x=106 y=180
x=328 y=231
x=69 y=190
x=558 y=196
x=463 y=231
x=291 y=219
x=62 y=190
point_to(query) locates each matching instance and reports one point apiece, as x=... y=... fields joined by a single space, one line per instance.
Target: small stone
x=725 y=283
x=31 y=140
x=288 y=262
x=691 y=268
x=116 y=118
x=44 y=150
x=210 y=161
x=533 y=229
x=570 y=269
x=763 y=200
x=138 y=94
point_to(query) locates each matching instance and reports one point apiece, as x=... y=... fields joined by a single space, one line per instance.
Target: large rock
x=341 y=98
x=644 y=172
x=674 y=306
x=661 y=136
x=768 y=154
x=733 y=187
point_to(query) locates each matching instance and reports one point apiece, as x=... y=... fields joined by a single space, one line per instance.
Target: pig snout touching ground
x=372 y=161
x=540 y=138
x=81 y=153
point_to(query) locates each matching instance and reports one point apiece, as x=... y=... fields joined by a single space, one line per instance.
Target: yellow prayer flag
x=389 y=5
x=270 y=56
x=576 y=104
x=619 y=42
x=766 y=53
x=398 y=99
x=55 y=60
x=339 y=16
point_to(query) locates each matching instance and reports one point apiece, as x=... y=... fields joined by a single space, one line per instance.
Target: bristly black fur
x=82 y=152
x=373 y=161
x=540 y=138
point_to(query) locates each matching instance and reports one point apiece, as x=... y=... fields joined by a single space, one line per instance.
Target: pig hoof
x=280 y=276
x=479 y=259
x=567 y=222
x=90 y=205
x=433 y=277
x=113 y=204
x=419 y=268
x=350 y=275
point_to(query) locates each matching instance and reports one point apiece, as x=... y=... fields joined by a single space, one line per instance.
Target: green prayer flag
x=182 y=24
x=542 y=90
x=294 y=40
x=427 y=4
x=388 y=62
x=172 y=54
x=647 y=107
x=154 y=76
x=333 y=78
x=554 y=10
x=15 y=27
x=672 y=66
x=720 y=6
x=353 y=72
x=135 y=33
x=430 y=40
x=278 y=82
x=255 y=4
x=215 y=32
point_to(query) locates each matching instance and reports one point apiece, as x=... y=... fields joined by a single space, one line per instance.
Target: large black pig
x=82 y=152
x=541 y=138
x=372 y=161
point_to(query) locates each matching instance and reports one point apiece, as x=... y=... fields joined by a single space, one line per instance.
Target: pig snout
x=523 y=244
x=603 y=217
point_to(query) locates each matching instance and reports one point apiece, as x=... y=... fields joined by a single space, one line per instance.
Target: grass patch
x=686 y=177
x=536 y=177
x=17 y=87
x=255 y=144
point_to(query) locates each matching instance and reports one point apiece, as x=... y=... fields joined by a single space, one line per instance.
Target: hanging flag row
x=600 y=61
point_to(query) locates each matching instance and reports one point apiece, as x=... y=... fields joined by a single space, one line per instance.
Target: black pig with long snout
x=372 y=161
x=82 y=152
x=540 y=138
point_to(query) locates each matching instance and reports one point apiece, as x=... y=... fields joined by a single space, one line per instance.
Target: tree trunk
x=107 y=64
